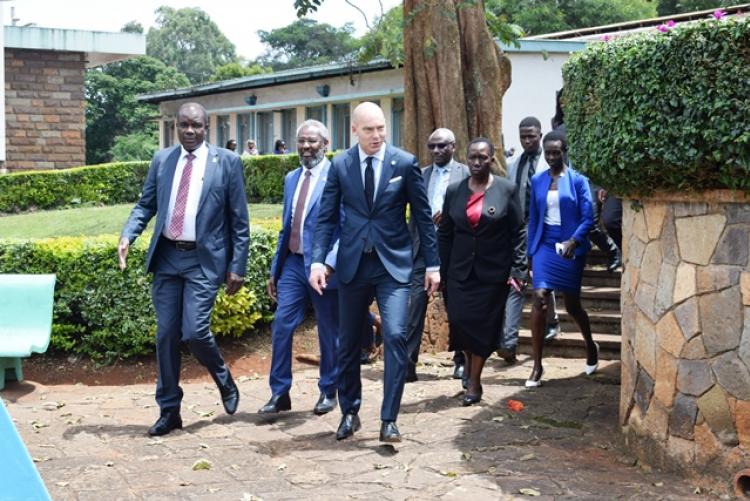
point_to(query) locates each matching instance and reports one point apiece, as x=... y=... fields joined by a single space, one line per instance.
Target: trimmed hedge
x=117 y=183
x=107 y=314
x=663 y=111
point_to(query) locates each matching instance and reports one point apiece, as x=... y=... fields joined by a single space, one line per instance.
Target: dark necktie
x=180 y=201
x=369 y=183
x=532 y=170
x=299 y=209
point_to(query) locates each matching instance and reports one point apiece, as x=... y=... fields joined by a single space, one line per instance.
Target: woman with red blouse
x=482 y=241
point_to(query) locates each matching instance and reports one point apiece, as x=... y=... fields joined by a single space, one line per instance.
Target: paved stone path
x=91 y=443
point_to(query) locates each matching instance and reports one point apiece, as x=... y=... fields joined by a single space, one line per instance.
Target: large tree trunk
x=455 y=75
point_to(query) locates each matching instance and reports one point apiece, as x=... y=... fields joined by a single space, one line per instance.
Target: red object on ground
x=515 y=405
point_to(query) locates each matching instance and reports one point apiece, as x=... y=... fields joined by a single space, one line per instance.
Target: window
x=316 y=113
x=168 y=139
x=265 y=132
x=341 y=127
x=288 y=125
x=245 y=130
x=222 y=130
x=397 y=122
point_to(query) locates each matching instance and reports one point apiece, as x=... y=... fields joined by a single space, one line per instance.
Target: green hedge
x=107 y=314
x=663 y=111
x=117 y=183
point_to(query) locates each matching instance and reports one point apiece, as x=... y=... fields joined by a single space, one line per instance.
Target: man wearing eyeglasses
x=443 y=171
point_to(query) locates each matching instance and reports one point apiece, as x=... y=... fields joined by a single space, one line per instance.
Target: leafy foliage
x=306 y=42
x=663 y=111
x=134 y=146
x=237 y=70
x=107 y=314
x=111 y=106
x=190 y=41
x=543 y=16
x=668 y=7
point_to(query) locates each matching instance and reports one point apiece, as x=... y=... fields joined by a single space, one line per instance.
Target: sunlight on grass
x=92 y=221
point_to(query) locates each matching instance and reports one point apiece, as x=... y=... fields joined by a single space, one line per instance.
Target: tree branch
x=367 y=23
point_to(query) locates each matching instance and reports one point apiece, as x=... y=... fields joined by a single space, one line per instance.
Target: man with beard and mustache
x=290 y=267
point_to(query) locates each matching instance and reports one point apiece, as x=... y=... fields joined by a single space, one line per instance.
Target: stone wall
x=685 y=395
x=44 y=109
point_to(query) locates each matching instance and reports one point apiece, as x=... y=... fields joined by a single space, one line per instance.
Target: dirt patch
x=246 y=356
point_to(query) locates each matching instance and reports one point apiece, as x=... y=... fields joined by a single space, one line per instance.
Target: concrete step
x=571 y=345
x=592 y=297
x=601 y=320
x=598 y=276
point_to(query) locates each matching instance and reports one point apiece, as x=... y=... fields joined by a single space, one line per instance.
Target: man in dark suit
x=443 y=171
x=290 y=268
x=201 y=237
x=374 y=182
x=520 y=171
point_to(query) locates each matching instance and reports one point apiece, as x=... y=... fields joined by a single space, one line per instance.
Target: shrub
x=663 y=111
x=106 y=314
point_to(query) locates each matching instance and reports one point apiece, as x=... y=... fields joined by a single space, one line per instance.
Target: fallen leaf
x=38 y=424
x=514 y=405
x=213 y=490
x=659 y=484
x=203 y=446
x=466 y=456
x=449 y=474
x=528 y=491
x=61 y=484
x=281 y=467
x=498 y=419
x=250 y=497
x=109 y=464
x=183 y=483
x=528 y=457
x=40 y=459
x=379 y=466
x=202 y=464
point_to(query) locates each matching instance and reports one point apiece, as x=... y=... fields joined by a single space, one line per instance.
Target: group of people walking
x=477 y=237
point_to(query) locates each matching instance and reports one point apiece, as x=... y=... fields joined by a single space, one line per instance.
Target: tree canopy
x=306 y=42
x=190 y=41
x=669 y=7
x=111 y=108
x=237 y=70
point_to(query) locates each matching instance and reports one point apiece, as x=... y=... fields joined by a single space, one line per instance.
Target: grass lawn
x=91 y=221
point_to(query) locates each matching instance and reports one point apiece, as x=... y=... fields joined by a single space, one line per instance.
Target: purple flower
x=664 y=28
x=719 y=14
x=606 y=38
x=671 y=24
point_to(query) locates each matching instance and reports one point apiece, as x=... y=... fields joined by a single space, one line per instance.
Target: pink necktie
x=299 y=209
x=180 y=202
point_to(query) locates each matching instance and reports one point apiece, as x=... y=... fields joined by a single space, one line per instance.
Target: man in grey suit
x=520 y=171
x=201 y=238
x=443 y=171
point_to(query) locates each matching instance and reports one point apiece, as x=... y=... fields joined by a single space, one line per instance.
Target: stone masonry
x=44 y=109
x=685 y=395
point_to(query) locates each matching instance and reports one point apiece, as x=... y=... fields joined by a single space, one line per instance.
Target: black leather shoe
x=411 y=373
x=167 y=422
x=277 y=404
x=364 y=357
x=349 y=424
x=553 y=330
x=389 y=433
x=615 y=261
x=458 y=371
x=509 y=356
x=230 y=396
x=325 y=404
x=470 y=399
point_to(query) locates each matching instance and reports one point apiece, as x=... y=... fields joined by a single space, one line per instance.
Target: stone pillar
x=685 y=394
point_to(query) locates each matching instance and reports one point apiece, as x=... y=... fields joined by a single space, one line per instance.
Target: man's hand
x=271 y=288
x=569 y=248
x=329 y=271
x=122 y=252
x=437 y=217
x=234 y=282
x=431 y=281
x=318 y=280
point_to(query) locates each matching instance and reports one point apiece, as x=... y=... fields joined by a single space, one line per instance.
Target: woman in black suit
x=481 y=240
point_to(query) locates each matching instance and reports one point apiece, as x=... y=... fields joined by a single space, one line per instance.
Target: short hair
x=251 y=141
x=196 y=105
x=318 y=125
x=447 y=132
x=530 y=122
x=481 y=140
x=556 y=135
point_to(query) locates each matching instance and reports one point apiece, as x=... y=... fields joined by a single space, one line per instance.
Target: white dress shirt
x=377 y=166
x=552 y=214
x=194 y=192
x=314 y=178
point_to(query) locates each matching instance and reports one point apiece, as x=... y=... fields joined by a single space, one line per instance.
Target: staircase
x=600 y=296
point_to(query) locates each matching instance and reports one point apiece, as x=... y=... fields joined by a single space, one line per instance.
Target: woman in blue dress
x=560 y=218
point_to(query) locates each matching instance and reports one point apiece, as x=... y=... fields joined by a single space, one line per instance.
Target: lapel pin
x=216 y=159
x=393 y=162
x=491 y=211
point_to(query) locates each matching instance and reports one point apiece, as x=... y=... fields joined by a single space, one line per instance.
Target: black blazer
x=496 y=249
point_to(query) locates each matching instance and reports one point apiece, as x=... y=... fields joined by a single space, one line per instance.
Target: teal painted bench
x=19 y=478
x=25 y=320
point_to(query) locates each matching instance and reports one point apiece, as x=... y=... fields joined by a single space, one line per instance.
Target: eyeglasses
x=438 y=146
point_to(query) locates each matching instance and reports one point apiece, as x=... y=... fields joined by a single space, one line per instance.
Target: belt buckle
x=184 y=246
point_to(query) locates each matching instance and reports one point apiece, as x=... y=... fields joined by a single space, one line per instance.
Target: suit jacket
x=516 y=176
x=576 y=209
x=384 y=228
x=221 y=224
x=311 y=217
x=495 y=250
x=458 y=171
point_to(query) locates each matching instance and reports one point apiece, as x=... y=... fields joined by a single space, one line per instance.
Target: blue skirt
x=552 y=271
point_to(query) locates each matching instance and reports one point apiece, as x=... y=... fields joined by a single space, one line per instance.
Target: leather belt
x=180 y=245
